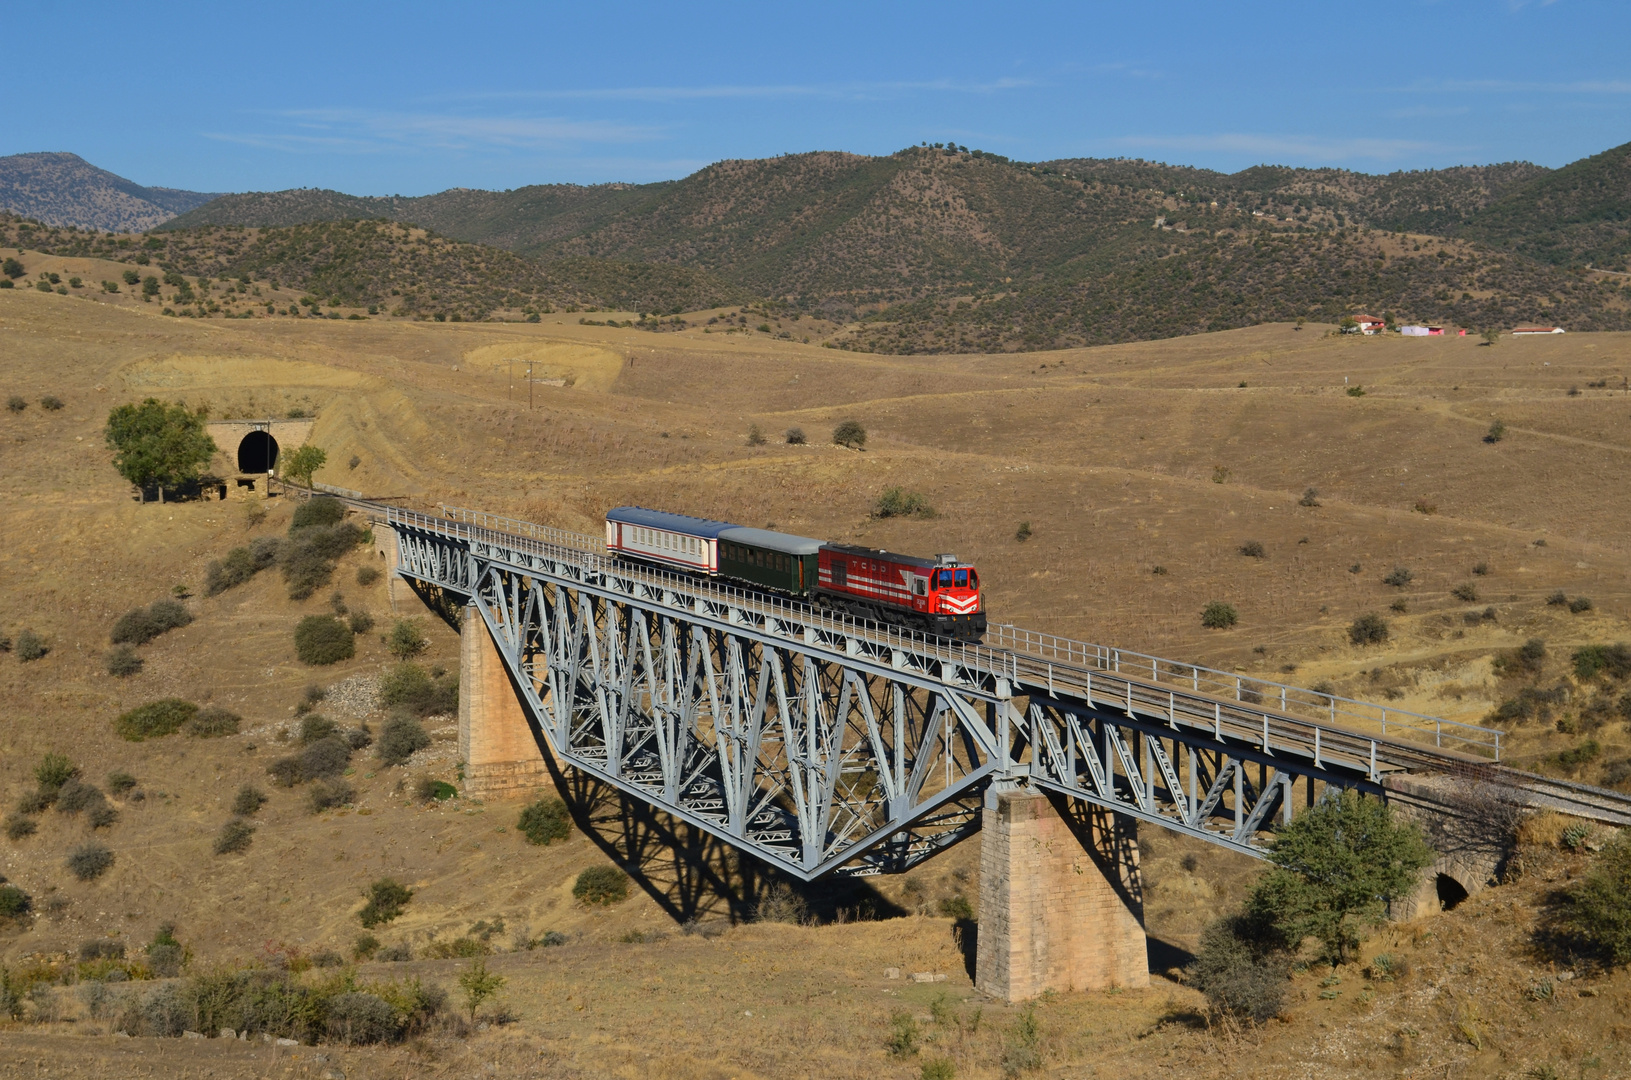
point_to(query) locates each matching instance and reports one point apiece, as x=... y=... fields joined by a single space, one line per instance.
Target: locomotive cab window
x=962 y=579
x=922 y=586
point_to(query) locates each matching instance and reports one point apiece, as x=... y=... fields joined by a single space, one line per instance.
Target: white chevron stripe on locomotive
x=960 y=607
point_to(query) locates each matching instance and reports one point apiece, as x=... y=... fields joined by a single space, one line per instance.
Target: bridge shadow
x=695 y=877
x=445 y=604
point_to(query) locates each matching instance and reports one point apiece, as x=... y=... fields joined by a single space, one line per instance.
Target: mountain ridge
x=63 y=189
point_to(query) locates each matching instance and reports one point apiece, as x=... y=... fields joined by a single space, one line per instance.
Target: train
x=939 y=596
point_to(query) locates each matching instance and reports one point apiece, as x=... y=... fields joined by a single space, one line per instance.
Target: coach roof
x=657 y=519
x=786 y=543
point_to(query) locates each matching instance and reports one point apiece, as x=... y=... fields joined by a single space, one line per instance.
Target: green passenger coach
x=773 y=560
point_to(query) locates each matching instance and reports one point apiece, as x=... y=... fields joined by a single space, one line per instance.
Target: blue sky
x=412 y=98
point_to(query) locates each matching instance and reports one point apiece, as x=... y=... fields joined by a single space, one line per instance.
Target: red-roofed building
x=1538 y=330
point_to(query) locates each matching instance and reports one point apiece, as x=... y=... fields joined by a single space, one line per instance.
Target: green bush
x=228 y=573
x=544 y=821
x=1219 y=616
x=1399 y=577
x=316 y=726
x=849 y=433
x=20 y=825
x=956 y=907
x=234 y=836
x=248 y=801
x=213 y=722
x=430 y=789
x=14 y=902
x=895 y=502
x=1253 y=549
x=1467 y=593
x=89 y=861
x=155 y=719
x=410 y=688
x=1594 y=914
x=604 y=885
x=367 y=575
x=320 y=510
x=76 y=796
x=1580 y=604
x=53 y=771
x=365 y=947
x=166 y=955
x=357 y=1018
x=1242 y=968
x=400 y=738
x=938 y=1069
x=308 y=556
x=120 y=782
x=903 y=1034
x=406 y=640
x=30 y=646
x=123 y=661
x=285 y=771
x=323 y=639
x=329 y=794
x=324 y=758
x=1611 y=660
x=386 y=899
x=795 y=436
x=1022 y=1045
x=360 y=622
x=1368 y=629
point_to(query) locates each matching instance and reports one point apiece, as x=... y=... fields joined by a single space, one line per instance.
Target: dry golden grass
x=1111 y=456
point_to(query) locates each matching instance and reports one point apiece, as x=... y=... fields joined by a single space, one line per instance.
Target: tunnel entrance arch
x=257 y=452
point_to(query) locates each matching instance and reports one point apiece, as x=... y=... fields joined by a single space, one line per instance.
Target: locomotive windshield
x=960 y=579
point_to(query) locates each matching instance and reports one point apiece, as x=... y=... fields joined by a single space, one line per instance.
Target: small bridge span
x=820 y=744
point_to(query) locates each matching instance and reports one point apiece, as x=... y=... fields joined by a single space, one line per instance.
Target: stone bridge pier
x=499 y=750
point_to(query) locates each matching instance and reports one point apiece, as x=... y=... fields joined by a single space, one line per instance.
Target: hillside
x=402 y=270
x=65 y=189
x=1577 y=215
x=1120 y=459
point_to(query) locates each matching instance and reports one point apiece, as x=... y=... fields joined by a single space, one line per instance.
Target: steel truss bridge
x=818 y=743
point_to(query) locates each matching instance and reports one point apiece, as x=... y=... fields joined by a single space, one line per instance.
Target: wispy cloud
x=1514 y=86
x=1300 y=147
x=371 y=131
x=859 y=91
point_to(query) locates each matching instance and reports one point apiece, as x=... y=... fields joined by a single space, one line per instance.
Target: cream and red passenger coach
x=940 y=596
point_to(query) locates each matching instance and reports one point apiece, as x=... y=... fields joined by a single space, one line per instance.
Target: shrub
x=956 y=907
x=1496 y=432
x=367 y=575
x=1594 y=914
x=401 y=737
x=1526 y=659
x=213 y=722
x=1022 y=1046
x=1241 y=970
x=386 y=899
x=1253 y=549
x=89 y=861
x=165 y=955
x=406 y=640
x=1311 y=497
x=16 y=403
x=285 y=771
x=234 y=836
x=756 y=437
x=360 y=622
x=601 y=885
x=478 y=985
x=1401 y=605
x=307 y=557
x=324 y=758
x=903 y=1034
x=1400 y=577
x=1481 y=569
x=430 y=789
x=228 y=573
x=1219 y=616
x=101 y=949
x=53 y=771
x=399 y=953
x=850 y=433
x=1368 y=629
x=76 y=795
x=1467 y=592
x=101 y=815
x=30 y=646
x=320 y=510
x=328 y=794
x=123 y=661
x=323 y=639
x=155 y=719
x=248 y=801
x=120 y=782
x=141 y=625
x=364 y=947
x=410 y=688
x=14 y=902
x=795 y=436
x=1558 y=599
x=938 y=1069
x=20 y=825
x=1592 y=660
x=1579 y=604
x=316 y=726
x=544 y=821
x=358 y=1019
x=309 y=699
x=896 y=502
x=1023 y=533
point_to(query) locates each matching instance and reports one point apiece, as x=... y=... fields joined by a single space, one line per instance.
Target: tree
x=1335 y=868
x=479 y=984
x=131 y=277
x=12 y=268
x=303 y=462
x=1491 y=336
x=850 y=433
x=1595 y=912
x=158 y=444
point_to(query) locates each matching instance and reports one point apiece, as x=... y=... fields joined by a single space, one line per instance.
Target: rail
x=1288 y=701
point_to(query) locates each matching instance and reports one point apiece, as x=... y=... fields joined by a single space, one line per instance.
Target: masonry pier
x=1061 y=905
x=500 y=754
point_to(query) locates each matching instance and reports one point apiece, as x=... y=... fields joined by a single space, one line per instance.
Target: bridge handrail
x=516 y=526
x=1283 y=698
